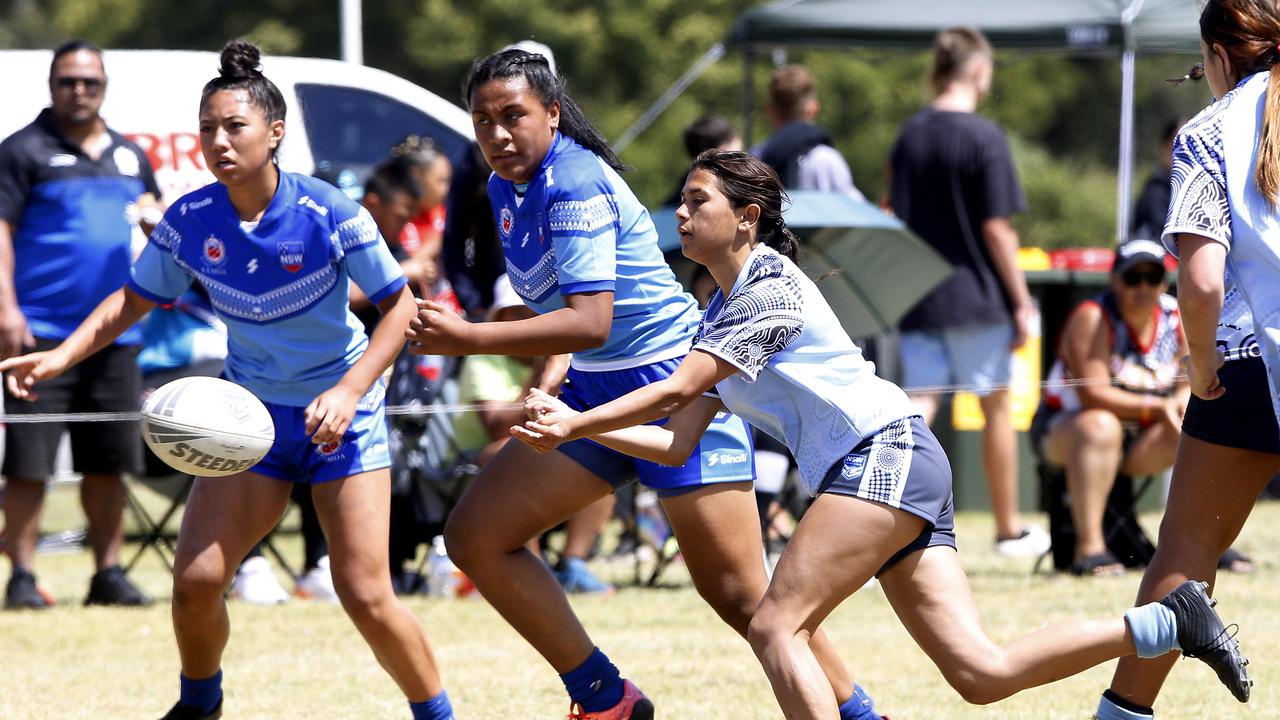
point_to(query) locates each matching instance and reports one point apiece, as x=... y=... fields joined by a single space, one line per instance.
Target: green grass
x=304 y=660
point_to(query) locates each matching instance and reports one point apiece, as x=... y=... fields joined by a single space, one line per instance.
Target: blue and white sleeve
x=757 y=322
x=156 y=275
x=368 y=259
x=1198 y=187
x=584 y=234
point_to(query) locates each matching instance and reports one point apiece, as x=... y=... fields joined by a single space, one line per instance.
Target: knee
x=768 y=629
x=1098 y=428
x=734 y=602
x=197 y=583
x=464 y=541
x=364 y=595
x=982 y=680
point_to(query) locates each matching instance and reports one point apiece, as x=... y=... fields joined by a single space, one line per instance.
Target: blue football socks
x=1154 y=629
x=858 y=706
x=596 y=684
x=436 y=708
x=1114 y=707
x=201 y=694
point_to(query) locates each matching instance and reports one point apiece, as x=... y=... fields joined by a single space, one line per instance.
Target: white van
x=340 y=116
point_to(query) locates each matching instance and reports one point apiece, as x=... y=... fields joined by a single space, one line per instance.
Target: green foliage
x=620 y=55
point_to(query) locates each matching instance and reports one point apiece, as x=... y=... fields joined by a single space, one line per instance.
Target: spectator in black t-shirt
x=800 y=152
x=954 y=184
x=1149 y=212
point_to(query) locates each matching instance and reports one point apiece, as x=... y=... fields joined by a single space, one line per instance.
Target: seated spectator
x=497 y=384
x=1116 y=403
x=709 y=132
x=803 y=154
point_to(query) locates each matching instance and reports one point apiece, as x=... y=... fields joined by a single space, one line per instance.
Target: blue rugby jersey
x=281 y=289
x=578 y=228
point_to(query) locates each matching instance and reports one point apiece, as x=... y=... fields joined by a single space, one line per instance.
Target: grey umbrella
x=869 y=266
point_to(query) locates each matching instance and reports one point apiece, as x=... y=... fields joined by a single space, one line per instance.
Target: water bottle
x=442 y=575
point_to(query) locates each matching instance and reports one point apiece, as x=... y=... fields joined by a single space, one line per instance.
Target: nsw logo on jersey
x=291 y=252
x=506 y=222
x=215 y=253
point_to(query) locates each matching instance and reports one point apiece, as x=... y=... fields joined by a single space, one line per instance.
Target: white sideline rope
x=452 y=409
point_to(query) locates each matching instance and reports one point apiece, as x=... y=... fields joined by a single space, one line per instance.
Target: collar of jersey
x=286 y=189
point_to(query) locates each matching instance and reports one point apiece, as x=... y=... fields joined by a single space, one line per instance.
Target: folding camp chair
x=1125 y=539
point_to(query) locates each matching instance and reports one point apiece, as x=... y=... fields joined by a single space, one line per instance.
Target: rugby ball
x=206 y=426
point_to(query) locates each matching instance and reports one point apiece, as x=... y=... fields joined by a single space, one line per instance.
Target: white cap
x=537 y=48
x=504 y=296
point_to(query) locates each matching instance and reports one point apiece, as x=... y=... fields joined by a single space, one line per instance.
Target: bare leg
x=23 y=505
x=102 y=497
x=1212 y=493
x=838 y=546
x=583 y=528
x=1089 y=444
x=518 y=495
x=930 y=594
x=1000 y=460
x=355 y=514
x=224 y=518
x=926 y=405
x=718 y=528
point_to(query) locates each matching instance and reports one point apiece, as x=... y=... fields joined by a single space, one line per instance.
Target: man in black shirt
x=1152 y=207
x=954 y=184
x=68 y=187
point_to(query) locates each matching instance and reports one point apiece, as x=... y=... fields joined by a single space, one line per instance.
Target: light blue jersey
x=801 y=379
x=578 y=228
x=281 y=288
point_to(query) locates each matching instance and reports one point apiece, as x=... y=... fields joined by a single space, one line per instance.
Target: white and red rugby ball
x=206 y=426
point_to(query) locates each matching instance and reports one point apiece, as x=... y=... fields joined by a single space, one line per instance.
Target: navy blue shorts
x=902 y=466
x=723 y=455
x=1243 y=417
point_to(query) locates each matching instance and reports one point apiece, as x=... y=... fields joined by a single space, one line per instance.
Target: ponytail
x=537 y=72
x=747 y=180
x=1249 y=30
x=1267 y=174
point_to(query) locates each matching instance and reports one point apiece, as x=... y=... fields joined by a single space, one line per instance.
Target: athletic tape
x=447 y=409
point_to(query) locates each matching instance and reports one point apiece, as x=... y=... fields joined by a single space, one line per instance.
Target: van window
x=347 y=127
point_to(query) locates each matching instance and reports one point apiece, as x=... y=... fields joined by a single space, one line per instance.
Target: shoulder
x=320 y=199
x=123 y=141
x=772 y=283
x=576 y=174
x=1199 y=142
x=23 y=142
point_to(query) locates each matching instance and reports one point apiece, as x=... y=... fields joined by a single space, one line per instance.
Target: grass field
x=304 y=660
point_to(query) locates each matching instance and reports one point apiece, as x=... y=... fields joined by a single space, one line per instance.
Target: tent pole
x=748 y=93
x=1124 y=174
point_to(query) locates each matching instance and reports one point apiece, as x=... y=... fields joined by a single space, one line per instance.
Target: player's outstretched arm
x=668 y=444
x=582 y=324
x=115 y=314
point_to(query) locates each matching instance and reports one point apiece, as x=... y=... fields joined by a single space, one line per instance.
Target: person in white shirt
x=1224 y=226
x=774 y=353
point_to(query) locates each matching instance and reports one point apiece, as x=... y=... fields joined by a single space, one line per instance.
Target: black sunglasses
x=1135 y=276
x=70 y=83
x=1195 y=73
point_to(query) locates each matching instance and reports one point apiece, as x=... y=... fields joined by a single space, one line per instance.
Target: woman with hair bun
x=276 y=252
x=772 y=351
x=1224 y=225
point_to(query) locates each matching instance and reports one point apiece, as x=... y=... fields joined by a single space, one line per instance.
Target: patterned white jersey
x=802 y=379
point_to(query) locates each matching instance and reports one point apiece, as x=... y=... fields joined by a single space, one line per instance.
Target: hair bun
x=240 y=59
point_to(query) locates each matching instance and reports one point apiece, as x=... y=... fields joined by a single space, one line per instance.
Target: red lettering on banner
x=186 y=145
x=171 y=152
